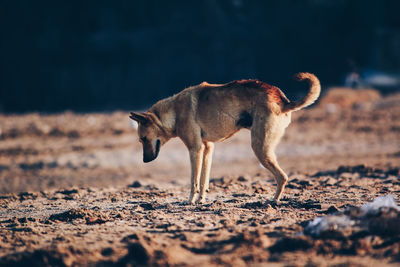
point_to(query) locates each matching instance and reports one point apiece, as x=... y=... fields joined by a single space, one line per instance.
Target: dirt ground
x=75 y=192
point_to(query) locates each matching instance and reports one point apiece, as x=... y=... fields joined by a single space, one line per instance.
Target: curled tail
x=313 y=94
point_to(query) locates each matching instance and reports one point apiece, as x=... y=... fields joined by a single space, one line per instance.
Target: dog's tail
x=311 y=97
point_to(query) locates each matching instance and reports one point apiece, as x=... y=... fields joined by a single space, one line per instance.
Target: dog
x=207 y=113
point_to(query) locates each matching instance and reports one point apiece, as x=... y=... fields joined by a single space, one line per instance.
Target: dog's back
x=224 y=109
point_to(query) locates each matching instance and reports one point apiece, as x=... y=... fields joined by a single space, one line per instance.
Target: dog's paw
x=190 y=201
x=200 y=200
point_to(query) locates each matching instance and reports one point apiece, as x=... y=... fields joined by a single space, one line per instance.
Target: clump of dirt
x=362 y=170
x=37 y=258
x=90 y=216
x=68 y=191
x=290 y=244
x=27 y=195
x=237 y=244
x=17 y=151
x=142 y=251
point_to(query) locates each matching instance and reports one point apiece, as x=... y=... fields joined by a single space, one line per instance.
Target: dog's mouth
x=147 y=157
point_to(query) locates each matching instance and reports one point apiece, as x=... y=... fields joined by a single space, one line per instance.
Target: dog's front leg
x=196 y=161
x=205 y=171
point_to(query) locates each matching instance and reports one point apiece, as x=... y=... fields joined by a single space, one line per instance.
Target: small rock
x=253 y=205
x=26 y=195
x=330 y=210
x=147 y=206
x=56 y=132
x=67 y=192
x=242 y=179
x=22 y=220
x=304 y=183
x=107 y=251
x=394 y=171
x=31 y=166
x=135 y=184
x=73 y=134
x=292 y=244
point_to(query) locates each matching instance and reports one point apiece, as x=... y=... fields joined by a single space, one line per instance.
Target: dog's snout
x=148 y=159
x=150 y=154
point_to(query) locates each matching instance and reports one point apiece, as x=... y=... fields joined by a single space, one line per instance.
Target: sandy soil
x=73 y=191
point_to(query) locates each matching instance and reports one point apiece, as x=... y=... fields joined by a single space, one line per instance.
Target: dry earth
x=73 y=191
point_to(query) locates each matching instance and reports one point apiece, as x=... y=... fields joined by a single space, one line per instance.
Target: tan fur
x=208 y=113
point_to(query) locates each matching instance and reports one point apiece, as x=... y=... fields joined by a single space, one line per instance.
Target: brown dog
x=203 y=114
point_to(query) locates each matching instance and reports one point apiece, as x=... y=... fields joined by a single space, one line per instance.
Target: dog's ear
x=141 y=118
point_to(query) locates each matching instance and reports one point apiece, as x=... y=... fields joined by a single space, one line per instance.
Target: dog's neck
x=168 y=122
x=166 y=114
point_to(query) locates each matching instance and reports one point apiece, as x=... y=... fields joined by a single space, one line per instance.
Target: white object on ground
x=321 y=224
x=341 y=221
x=379 y=202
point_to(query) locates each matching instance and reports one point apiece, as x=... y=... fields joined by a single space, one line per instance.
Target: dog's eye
x=143 y=139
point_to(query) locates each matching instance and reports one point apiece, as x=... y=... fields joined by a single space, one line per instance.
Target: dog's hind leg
x=205 y=170
x=265 y=135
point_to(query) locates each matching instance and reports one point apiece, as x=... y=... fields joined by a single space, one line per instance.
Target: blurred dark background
x=102 y=55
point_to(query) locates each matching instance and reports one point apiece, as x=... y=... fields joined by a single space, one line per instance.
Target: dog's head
x=151 y=134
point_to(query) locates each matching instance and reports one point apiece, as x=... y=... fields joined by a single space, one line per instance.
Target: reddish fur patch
x=274 y=94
